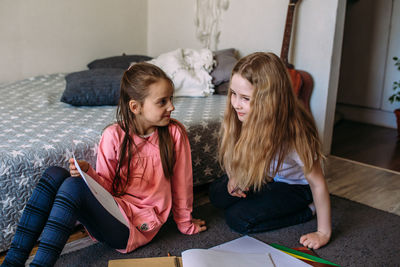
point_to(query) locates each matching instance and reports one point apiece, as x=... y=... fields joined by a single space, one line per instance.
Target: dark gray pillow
x=226 y=60
x=95 y=87
x=121 y=62
x=222 y=89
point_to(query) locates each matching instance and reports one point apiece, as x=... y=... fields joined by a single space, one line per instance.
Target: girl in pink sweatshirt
x=143 y=160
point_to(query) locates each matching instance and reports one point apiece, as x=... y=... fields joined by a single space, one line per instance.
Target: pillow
x=225 y=60
x=95 y=87
x=189 y=71
x=121 y=62
x=222 y=89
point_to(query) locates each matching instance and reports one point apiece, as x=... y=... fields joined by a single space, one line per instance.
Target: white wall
x=258 y=25
x=371 y=40
x=392 y=73
x=47 y=36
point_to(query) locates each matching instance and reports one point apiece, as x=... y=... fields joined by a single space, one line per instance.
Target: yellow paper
x=171 y=261
x=297 y=256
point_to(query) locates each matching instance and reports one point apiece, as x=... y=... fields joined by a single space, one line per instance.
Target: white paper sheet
x=216 y=258
x=247 y=244
x=102 y=195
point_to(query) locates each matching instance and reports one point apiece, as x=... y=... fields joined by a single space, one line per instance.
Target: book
x=171 y=261
x=102 y=195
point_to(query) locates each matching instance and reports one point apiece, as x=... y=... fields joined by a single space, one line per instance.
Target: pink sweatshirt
x=150 y=196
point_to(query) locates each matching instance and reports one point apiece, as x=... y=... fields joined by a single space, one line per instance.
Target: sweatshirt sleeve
x=182 y=183
x=107 y=158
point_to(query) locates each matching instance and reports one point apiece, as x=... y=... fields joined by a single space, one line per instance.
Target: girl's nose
x=171 y=107
x=236 y=103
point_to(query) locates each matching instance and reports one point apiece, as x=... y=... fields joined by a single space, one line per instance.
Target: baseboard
x=366 y=115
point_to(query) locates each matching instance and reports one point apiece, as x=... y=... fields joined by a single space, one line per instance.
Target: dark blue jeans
x=57 y=202
x=277 y=205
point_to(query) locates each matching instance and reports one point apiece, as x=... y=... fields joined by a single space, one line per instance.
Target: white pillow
x=189 y=70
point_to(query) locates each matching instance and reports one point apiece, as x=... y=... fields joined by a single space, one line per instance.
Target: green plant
x=396 y=84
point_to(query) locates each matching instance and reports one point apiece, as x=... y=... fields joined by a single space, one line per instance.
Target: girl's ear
x=134 y=106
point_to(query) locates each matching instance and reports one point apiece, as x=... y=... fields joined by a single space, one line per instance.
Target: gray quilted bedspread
x=38 y=131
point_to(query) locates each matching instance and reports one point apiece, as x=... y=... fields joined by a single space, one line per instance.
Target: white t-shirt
x=291 y=171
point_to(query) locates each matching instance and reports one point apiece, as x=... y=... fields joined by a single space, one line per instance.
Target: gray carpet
x=362 y=236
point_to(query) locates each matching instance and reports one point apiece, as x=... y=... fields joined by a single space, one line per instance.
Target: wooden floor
x=367 y=184
x=366 y=143
x=364 y=167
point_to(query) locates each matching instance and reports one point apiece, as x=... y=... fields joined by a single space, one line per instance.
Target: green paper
x=302 y=254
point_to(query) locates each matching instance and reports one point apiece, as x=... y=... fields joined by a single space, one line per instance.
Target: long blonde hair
x=276 y=125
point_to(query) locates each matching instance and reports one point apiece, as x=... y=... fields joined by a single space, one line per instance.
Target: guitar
x=301 y=80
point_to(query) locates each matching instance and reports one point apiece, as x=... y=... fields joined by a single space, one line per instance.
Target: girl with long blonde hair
x=271 y=153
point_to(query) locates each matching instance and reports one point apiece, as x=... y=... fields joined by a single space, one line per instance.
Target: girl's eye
x=246 y=99
x=165 y=101
x=233 y=92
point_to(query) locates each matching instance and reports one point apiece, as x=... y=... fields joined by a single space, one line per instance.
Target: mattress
x=38 y=131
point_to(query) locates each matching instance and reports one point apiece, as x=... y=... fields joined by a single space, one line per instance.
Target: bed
x=37 y=130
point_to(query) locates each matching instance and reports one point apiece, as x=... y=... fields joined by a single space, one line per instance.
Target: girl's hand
x=74 y=171
x=234 y=190
x=314 y=240
x=200 y=224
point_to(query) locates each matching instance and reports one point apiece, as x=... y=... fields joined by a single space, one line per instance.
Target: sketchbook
x=219 y=258
x=247 y=244
x=102 y=195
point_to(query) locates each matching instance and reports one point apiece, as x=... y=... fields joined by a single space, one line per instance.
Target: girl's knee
x=72 y=183
x=55 y=171
x=55 y=175
x=235 y=220
x=74 y=187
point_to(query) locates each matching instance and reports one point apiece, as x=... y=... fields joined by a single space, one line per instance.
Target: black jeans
x=277 y=205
